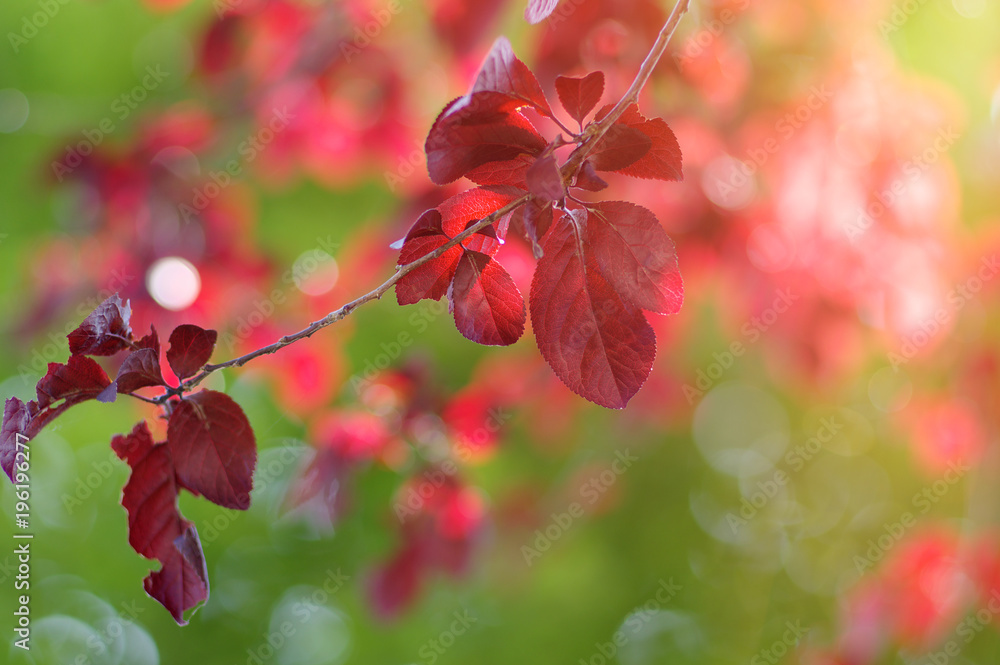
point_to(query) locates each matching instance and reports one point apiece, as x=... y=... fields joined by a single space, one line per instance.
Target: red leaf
x=503 y=72
x=635 y=255
x=80 y=379
x=141 y=369
x=156 y=528
x=536 y=217
x=182 y=582
x=487 y=306
x=588 y=179
x=622 y=146
x=663 y=161
x=510 y=172
x=601 y=347
x=477 y=129
x=150 y=341
x=394 y=585
x=431 y=279
x=190 y=348
x=545 y=180
x=213 y=448
x=539 y=10
x=579 y=96
x=473 y=205
x=16 y=418
x=105 y=331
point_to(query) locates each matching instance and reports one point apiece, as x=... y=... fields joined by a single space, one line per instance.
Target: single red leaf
x=579 y=96
x=16 y=418
x=622 y=146
x=485 y=302
x=635 y=255
x=663 y=161
x=190 y=348
x=150 y=341
x=539 y=10
x=536 y=218
x=28 y=419
x=477 y=129
x=544 y=179
x=588 y=179
x=213 y=448
x=503 y=72
x=431 y=279
x=105 y=331
x=395 y=584
x=510 y=172
x=80 y=379
x=182 y=581
x=141 y=369
x=64 y=385
x=601 y=347
x=156 y=528
x=462 y=210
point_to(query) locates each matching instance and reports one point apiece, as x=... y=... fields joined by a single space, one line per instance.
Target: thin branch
x=343 y=311
x=569 y=169
x=597 y=131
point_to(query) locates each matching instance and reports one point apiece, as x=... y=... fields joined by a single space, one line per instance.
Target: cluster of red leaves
x=599 y=264
x=210 y=449
x=917 y=598
x=304 y=61
x=438 y=532
x=407 y=428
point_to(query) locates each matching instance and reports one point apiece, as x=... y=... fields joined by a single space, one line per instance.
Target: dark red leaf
x=511 y=172
x=394 y=585
x=477 y=129
x=190 y=348
x=588 y=179
x=622 y=146
x=80 y=379
x=150 y=341
x=141 y=369
x=156 y=528
x=182 y=582
x=431 y=279
x=503 y=72
x=663 y=161
x=579 y=96
x=105 y=331
x=545 y=180
x=16 y=418
x=536 y=218
x=601 y=347
x=539 y=10
x=473 y=205
x=635 y=255
x=487 y=306
x=213 y=448
x=429 y=223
